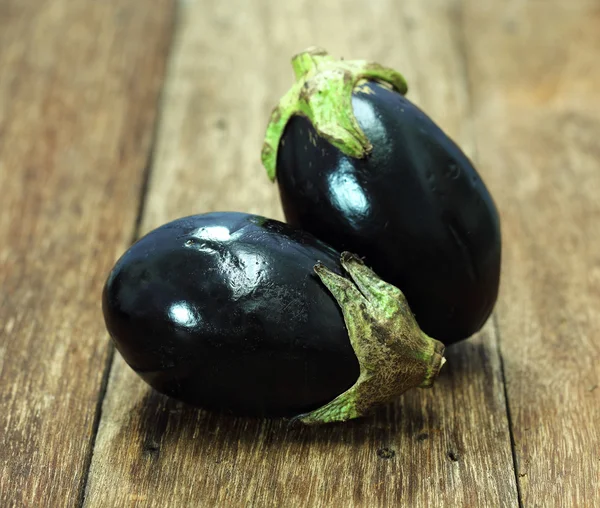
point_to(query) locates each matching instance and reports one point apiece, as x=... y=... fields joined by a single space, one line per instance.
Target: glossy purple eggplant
x=413 y=204
x=247 y=315
x=224 y=311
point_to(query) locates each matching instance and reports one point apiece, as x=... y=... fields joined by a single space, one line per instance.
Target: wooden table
x=119 y=115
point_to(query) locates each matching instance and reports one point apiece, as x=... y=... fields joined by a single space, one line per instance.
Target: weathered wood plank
x=534 y=76
x=445 y=447
x=79 y=83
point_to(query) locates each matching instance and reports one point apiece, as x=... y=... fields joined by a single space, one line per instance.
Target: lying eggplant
x=247 y=315
x=361 y=167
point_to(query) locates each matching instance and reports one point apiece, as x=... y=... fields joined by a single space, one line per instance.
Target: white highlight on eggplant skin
x=347 y=194
x=184 y=315
x=215 y=233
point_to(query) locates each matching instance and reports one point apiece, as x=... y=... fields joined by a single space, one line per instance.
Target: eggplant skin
x=224 y=311
x=414 y=207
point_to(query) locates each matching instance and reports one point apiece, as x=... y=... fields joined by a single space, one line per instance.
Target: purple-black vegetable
x=364 y=169
x=247 y=315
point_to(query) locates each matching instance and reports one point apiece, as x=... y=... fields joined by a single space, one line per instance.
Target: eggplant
x=250 y=316
x=361 y=167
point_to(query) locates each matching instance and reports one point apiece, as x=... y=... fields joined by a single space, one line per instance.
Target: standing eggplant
x=244 y=314
x=361 y=167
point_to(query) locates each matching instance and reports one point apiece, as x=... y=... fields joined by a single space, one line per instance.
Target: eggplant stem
x=394 y=354
x=323 y=94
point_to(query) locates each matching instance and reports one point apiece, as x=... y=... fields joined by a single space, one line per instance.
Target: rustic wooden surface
x=207 y=158
x=513 y=418
x=537 y=118
x=79 y=82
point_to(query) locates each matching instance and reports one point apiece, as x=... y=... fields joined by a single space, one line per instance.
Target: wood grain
x=537 y=113
x=79 y=83
x=448 y=446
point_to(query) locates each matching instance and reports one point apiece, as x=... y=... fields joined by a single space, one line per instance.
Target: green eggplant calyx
x=323 y=94
x=394 y=354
